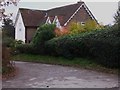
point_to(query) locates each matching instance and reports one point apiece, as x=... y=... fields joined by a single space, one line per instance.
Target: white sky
x=103 y=10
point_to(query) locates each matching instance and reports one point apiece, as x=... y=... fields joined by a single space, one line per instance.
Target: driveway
x=35 y=75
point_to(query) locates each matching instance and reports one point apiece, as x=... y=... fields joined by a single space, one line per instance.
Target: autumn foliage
x=89 y=25
x=61 y=31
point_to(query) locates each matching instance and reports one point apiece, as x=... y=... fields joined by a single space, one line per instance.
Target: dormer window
x=56 y=21
x=48 y=21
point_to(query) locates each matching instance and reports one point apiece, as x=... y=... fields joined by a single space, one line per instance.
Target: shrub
x=8 y=41
x=90 y=25
x=102 y=45
x=43 y=34
x=7 y=66
x=25 y=48
x=61 y=32
x=67 y=46
x=76 y=28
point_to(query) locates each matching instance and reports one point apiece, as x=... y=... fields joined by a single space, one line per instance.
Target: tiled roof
x=37 y=17
x=33 y=17
x=65 y=12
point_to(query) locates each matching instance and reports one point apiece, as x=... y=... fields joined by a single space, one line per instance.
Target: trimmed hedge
x=103 y=45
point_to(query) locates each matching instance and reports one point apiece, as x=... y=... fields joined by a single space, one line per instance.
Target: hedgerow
x=102 y=45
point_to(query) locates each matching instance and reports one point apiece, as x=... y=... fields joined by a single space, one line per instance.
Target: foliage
x=75 y=28
x=7 y=36
x=61 y=32
x=8 y=29
x=7 y=43
x=117 y=16
x=90 y=25
x=103 y=45
x=25 y=48
x=7 y=66
x=8 y=2
x=44 y=33
x=3 y=5
x=76 y=62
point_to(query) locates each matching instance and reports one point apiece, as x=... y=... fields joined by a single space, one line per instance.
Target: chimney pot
x=79 y=1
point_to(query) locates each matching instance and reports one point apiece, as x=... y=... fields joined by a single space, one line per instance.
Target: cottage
x=28 y=20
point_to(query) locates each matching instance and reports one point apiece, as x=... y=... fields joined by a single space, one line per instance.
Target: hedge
x=103 y=45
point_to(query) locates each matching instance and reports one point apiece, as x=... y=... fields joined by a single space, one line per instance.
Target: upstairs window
x=56 y=21
x=83 y=23
x=48 y=21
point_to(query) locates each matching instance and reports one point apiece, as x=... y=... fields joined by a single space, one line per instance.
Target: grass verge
x=76 y=62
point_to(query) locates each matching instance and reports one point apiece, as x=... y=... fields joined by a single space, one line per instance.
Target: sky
x=103 y=10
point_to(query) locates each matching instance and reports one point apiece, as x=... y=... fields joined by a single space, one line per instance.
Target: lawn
x=85 y=63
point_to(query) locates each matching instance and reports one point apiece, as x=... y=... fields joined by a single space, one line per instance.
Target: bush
x=67 y=46
x=103 y=45
x=43 y=34
x=90 y=25
x=76 y=28
x=8 y=41
x=25 y=48
x=61 y=32
x=7 y=66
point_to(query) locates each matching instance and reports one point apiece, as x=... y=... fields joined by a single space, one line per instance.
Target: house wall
x=30 y=32
x=81 y=16
x=20 y=29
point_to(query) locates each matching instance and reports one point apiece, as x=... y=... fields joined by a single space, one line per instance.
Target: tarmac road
x=36 y=75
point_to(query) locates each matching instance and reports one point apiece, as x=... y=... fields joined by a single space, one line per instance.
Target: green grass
x=76 y=62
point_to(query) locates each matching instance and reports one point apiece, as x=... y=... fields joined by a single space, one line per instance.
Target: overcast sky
x=103 y=10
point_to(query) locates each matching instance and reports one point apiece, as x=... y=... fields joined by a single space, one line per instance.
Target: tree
x=117 y=17
x=6 y=3
x=7 y=31
x=8 y=28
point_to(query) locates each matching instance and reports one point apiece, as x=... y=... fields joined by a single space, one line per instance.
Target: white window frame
x=82 y=23
x=56 y=21
x=48 y=21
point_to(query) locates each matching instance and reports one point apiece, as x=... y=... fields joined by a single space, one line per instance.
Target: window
x=20 y=29
x=83 y=23
x=48 y=21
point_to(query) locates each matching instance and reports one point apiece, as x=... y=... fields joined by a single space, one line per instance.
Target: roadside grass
x=84 y=63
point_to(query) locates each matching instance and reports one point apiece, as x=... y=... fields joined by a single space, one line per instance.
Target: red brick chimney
x=79 y=1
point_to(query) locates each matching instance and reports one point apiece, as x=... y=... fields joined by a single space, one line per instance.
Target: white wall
x=20 y=29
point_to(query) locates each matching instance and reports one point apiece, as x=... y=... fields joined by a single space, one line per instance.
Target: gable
x=64 y=14
x=48 y=21
x=81 y=16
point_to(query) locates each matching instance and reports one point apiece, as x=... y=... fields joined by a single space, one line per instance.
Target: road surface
x=36 y=75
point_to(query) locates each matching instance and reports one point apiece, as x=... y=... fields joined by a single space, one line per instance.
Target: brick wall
x=81 y=16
